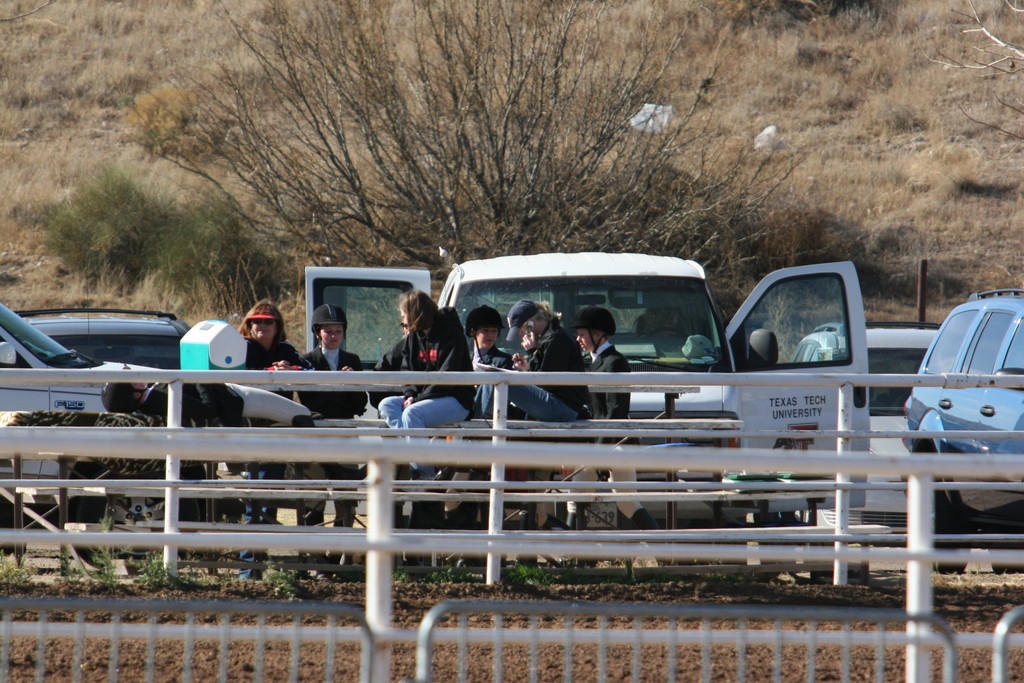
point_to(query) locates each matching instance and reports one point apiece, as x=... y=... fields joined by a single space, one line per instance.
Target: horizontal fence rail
x=382 y=542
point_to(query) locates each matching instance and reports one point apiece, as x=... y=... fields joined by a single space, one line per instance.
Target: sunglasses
x=262 y=321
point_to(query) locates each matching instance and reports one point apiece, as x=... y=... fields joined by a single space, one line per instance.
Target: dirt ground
x=970 y=603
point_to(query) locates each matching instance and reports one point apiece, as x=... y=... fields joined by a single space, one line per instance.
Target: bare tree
x=22 y=15
x=377 y=132
x=993 y=56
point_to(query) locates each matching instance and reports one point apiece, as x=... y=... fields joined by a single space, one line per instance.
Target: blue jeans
x=537 y=403
x=421 y=414
x=263 y=515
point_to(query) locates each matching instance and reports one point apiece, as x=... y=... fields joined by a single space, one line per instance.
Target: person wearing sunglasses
x=434 y=341
x=267 y=348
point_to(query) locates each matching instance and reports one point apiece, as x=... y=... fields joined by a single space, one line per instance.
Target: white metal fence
x=382 y=542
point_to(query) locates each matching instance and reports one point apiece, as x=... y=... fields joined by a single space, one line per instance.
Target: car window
x=987 y=340
x=667 y=320
x=809 y=318
x=46 y=349
x=947 y=346
x=1015 y=354
x=891 y=361
x=150 y=350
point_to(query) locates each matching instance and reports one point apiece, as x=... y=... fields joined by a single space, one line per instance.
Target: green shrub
x=116 y=230
x=109 y=228
x=13 y=572
x=524 y=575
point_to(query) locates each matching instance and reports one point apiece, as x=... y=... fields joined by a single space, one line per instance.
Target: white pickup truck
x=668 y=320
x=806 y=319
x=24 y=346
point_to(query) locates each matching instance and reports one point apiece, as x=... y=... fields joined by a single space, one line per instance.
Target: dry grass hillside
x=879 y=126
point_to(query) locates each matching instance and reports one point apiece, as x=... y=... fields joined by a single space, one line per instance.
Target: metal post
x=496 y=508
x=172 y=472
x=920 y=537
x=19 y=504
x=922 y=289
x=380 y=564
x=844 y=422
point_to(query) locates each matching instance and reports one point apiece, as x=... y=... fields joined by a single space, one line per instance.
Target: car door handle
x=988 y=411
x=945 y=403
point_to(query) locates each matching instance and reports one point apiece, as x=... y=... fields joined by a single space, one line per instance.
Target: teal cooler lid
x=212 y=345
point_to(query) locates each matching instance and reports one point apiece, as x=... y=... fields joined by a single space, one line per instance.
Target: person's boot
x=303 y=421
x=570 y=520
x=642 y=519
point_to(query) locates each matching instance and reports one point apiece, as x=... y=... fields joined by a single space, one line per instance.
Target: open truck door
x=807 y=319
x=369 y=297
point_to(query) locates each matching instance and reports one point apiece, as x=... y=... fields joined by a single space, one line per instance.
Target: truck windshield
x=38 y=344
x=664 y=323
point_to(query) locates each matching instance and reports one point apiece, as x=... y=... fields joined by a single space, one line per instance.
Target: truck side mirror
x=8 y=354
x=762 y=350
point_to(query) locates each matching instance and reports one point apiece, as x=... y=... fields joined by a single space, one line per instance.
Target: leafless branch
x=30 y=12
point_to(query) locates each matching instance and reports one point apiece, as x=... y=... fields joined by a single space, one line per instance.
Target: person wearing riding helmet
x=549 y=348
x=329 y=328
x=483 y=324
x=594 y=327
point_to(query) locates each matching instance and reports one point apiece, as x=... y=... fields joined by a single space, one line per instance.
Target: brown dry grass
x=886 y=147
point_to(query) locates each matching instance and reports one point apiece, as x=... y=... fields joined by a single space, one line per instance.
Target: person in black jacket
x=549 y=348
x=434 y=340
x=267 y=348
x=594 y=327
x=329 y=327
x=266 y=345
x=483 y=324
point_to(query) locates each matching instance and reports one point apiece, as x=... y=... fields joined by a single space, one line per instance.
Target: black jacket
x=610 y=405
x=494 y=357
x=258 y=358
x=442 y=348
x=336 y=405
x=556 y=351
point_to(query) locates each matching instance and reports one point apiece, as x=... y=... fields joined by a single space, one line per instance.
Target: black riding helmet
x=595 y=318
x=328 y=314
x=119 y=397
x=483 y=316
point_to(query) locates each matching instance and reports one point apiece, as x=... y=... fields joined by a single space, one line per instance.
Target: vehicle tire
x=949 y=519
